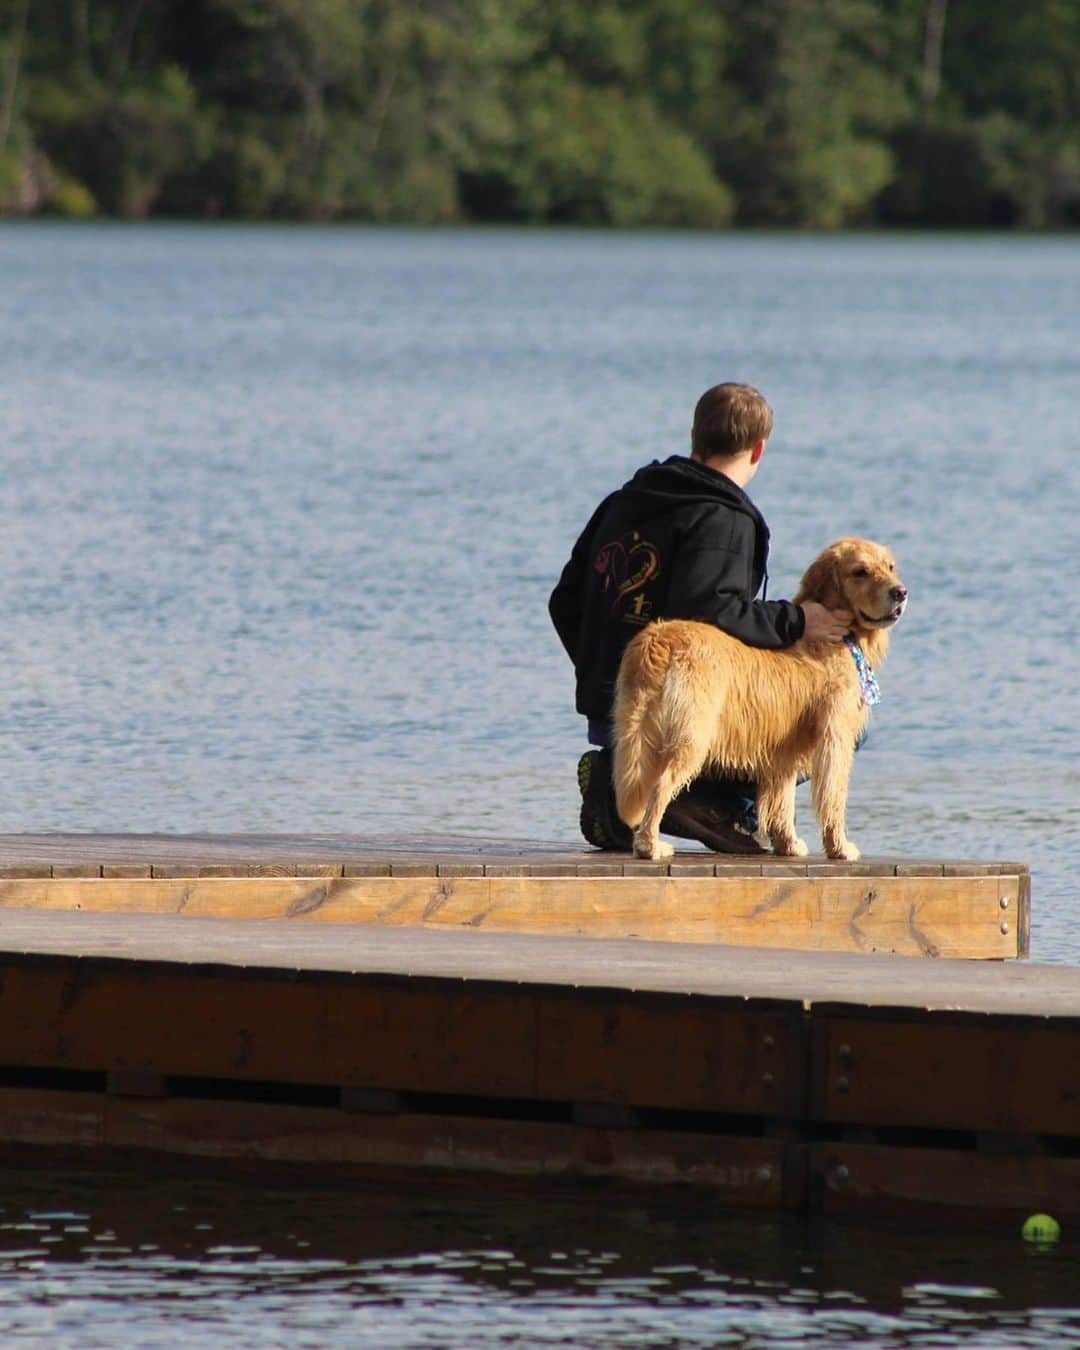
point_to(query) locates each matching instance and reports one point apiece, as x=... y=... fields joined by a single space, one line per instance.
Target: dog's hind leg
x=635 y=768
x=776 y=814
x=829 y=790
x=639 y=706
x=682 y=765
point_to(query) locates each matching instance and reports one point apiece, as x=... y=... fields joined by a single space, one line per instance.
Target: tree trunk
x=124 y=40
x=80 y=28
x=11 y=72
x=931 y=72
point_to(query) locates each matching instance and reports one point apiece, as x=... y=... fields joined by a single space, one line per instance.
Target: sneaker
x=712 y=825
x=734 y=799
x=600 y=823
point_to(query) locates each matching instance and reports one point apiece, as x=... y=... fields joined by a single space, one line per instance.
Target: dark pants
x=736 y=797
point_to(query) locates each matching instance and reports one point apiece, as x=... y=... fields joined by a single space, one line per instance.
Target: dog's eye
x=859 y=572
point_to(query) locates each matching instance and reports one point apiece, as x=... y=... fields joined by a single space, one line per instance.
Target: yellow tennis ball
x=1040 y=1228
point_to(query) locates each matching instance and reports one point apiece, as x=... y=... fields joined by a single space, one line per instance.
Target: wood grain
x=40 y=854
x=527 y=1044
x=1009 y=1077
x=972 y=917
x=289 y=949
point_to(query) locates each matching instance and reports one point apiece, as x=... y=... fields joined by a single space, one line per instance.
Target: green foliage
x=122 y=142
x=72 y=199
x=594 y=155
x=803 y=139
x=818 y=113
x=10 y=173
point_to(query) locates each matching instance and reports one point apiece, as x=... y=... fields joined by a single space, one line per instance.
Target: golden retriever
x=690 y=697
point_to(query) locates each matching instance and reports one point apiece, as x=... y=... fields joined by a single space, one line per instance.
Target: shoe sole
x=592 y=828
x=584 y=771
x=593 y=832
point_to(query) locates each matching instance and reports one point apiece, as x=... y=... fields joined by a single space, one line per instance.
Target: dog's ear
x=821 y=582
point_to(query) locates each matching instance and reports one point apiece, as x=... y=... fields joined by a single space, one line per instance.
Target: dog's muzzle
x=886 y=620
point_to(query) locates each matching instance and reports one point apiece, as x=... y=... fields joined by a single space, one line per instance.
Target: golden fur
x=690 y=697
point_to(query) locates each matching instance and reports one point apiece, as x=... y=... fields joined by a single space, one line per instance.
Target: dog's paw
x=791 y=848
x=658 y=852
x=847 y=852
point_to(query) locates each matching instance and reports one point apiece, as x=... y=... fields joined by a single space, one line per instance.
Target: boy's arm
x=712 y=585
x=565 y=605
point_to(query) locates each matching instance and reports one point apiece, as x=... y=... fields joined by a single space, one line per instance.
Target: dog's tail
x=638 y=698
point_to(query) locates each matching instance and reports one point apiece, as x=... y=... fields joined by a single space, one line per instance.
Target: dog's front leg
x=776 y=816
x=831 y=773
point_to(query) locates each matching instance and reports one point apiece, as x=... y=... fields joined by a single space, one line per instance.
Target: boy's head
x=729 y=420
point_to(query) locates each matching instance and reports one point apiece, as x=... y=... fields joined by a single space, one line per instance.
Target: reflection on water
x=94 y=1260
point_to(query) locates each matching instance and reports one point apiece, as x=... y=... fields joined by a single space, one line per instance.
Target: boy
x=680 y=540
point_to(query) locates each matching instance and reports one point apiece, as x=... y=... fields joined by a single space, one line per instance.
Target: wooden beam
x=288 y=951
x=912 y=915
x=961 y=1073
x=529 y=1044
x=929 y=1184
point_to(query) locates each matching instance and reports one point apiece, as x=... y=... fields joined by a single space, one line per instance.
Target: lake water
x=281 y=511
x=130 y=1259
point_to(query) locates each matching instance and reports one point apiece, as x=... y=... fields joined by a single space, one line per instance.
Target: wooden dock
x=156 y=1021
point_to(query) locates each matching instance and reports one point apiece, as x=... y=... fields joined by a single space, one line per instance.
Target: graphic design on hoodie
x=627 y=565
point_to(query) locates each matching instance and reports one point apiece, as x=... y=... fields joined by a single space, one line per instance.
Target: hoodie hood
x=679 y=481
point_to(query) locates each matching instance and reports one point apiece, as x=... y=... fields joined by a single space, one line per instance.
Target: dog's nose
x=899 y=592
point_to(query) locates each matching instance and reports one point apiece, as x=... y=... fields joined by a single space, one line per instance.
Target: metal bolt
x=843 y=1083
x=840 y=1175
x=763 y=1175
x=1004 y=902
x=767 y=1080
x=1004 y=926
x=844 y=1052
x=768 y=1042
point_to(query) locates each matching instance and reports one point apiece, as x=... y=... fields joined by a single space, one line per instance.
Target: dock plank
x=963 y=1076
x=924 y=1183
x=19 y=853
x=911 y=915
x=807 y=979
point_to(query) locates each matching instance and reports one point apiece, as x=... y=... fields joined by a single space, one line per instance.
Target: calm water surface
x=281 y=510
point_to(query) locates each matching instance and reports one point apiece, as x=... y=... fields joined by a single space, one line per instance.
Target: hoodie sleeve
x=565 y=605
x=711 y=582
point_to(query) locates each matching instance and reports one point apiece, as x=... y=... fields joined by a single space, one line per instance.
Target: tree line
x=784 y=113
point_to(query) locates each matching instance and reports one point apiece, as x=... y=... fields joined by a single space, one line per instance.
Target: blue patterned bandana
x=868 y=684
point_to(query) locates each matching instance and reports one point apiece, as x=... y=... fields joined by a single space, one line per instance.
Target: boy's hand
x=826 y=625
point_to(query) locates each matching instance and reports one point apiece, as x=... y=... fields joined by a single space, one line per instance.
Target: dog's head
x=858 y=575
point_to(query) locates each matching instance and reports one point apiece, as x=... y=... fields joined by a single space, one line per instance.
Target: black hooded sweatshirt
x=678 y=541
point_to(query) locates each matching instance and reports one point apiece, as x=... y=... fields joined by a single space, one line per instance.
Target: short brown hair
x=728 y=419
